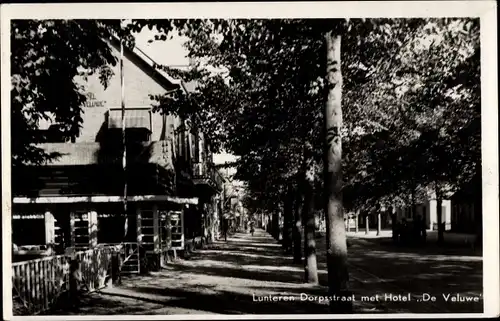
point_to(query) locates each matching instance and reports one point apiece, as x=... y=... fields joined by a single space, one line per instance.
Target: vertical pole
x=124 y=159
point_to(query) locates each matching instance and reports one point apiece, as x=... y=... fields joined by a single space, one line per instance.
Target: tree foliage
x=410 y=94
x=46 y=56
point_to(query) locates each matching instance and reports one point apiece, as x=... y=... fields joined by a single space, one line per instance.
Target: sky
x=169 y=52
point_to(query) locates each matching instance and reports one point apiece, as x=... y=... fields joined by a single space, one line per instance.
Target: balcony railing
x=208 y=172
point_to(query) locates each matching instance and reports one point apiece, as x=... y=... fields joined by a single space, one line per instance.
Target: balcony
x=96 y=169
x=206 y=174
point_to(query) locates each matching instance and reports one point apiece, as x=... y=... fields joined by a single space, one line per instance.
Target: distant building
x=428 y=211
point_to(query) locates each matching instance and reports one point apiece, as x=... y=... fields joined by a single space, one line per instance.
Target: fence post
x=92 y=229
x=156 y=232
x=50 y=230
x=72 y=228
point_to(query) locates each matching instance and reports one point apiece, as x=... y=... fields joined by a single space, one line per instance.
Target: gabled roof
x=186 y=87
x=148 y=61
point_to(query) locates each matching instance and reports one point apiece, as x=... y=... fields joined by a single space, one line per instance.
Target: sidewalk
x=241 y=276
x=244 y=275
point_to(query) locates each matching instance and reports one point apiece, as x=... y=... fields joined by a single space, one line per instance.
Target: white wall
x=429 y=213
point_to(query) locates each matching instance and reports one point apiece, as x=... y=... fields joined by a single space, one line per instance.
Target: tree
x=310 y=170
x=418 y=103
x=336 y=238
x=46 y=58
x=270 y=105
x=437 y=105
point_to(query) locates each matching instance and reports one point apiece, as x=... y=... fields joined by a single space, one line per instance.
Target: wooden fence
x=37 y=284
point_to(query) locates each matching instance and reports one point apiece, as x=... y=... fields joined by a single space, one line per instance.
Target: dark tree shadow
x=225 y=302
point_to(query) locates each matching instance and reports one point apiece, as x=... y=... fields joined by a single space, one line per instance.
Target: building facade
x=78 y=198
x=428 y=211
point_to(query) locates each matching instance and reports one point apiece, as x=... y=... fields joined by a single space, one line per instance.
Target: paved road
x=239 y=276
x=379 y=267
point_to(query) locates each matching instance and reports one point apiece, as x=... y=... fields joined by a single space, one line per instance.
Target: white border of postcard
x=486 y=10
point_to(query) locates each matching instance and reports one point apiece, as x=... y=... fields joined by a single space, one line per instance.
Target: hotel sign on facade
x=93 y=101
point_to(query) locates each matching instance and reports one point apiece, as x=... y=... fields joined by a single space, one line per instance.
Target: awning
x=103 y=199
x=134 y=118
x=90 y=153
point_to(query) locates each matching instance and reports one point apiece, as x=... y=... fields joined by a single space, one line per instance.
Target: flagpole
x=124 y=159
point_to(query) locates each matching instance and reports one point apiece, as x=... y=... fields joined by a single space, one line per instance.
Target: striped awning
x=134 y=118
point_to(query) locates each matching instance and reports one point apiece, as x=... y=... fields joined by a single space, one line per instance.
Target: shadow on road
x=240 y=275
x=378 y=268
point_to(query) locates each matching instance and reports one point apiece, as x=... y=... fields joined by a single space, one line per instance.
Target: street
x=251 y=275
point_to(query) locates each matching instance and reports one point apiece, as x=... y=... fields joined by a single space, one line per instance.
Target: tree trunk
x=275 y=225
x=367 y=223
x=356 y=223
x=439 y=204
x=289 y=221
x=280 y=225
x=297 y=229
x=394 y=223
x=310 y=264
x=338 y=275
x=439 y=211
x=413 y=203
x=379 y=223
